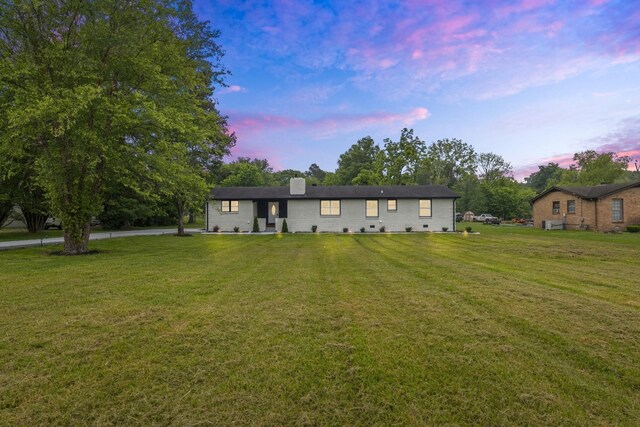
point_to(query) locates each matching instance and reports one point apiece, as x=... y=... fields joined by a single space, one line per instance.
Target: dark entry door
x=273 y=212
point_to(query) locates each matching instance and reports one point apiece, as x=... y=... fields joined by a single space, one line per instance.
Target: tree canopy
x=108 y=91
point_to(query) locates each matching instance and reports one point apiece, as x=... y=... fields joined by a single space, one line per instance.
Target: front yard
x=511 y=326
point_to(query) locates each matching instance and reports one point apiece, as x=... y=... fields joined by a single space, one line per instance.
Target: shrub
x=445 y=228
x=236 y=229
x=256 y=226
x=285 y=227
x=362 y=229
x=467 y=229
x=345 y=230
x=633 y=228
x=382 y=228
x=216 y=228
x=314 y=228
x=408 y=229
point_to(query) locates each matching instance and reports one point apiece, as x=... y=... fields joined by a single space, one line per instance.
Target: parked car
x=459 y=217
x=492 y=220
x=484 y=217
x=53 y=223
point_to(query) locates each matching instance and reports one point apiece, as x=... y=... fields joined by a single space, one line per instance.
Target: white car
x=52 y=223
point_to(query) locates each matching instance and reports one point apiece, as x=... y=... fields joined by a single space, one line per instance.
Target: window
x=372 y=209
x=617 y=210
x=571 y=206
x=392 y=205
x=329 y=207
x=556 y=208
x=230 y=206
x=425 y=207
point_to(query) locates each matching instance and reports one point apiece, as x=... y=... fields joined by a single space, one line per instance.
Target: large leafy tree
x=96 y=90
x=547 y=176
x=402 y=158
x=592 y=168
x=360 y=156
x=447 y=161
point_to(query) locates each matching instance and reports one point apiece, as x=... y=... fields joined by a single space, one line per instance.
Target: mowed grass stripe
x=311 y=329
x=524 y=321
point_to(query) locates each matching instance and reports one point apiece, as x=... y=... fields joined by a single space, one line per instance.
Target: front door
x=273 y=213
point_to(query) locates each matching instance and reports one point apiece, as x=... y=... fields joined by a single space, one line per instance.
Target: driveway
x=15 y=244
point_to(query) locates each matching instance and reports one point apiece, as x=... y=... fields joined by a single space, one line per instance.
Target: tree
x=402 y=158
x=446 y=162
x=546 y=177
x=506 y=198
x=597 y=168
x=281 y=178
x=246 y=173
x=96 y=88
x=361 y=155
x=492 y=167
x=316 y=173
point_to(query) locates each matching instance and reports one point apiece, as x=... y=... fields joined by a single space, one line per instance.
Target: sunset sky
x=531 y=80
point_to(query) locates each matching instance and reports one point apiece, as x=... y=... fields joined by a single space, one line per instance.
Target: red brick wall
x=542 y=210
x=630 y=214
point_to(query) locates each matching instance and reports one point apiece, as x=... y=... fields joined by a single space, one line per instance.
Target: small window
x=617 y=210
x=392 y=205
x=571 y=206
x=230 y=206
x=372 y=209
x=425 y=207
x=556 y=208
x=329 y=207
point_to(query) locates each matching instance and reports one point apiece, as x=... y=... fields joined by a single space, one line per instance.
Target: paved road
x=15 y=244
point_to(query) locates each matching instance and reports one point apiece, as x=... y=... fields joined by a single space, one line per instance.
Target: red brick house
x=606 y=207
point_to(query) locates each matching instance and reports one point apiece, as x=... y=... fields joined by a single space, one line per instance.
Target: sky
x=534 y=81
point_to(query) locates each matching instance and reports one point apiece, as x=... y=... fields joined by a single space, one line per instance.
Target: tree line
x=484 y=180
x=108 y=110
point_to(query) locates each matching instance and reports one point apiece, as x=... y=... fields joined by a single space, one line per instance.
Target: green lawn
x=511 y=326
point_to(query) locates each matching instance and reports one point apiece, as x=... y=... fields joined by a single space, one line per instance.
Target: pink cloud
x=625 y=141
x=273 y=136
x=245 y=124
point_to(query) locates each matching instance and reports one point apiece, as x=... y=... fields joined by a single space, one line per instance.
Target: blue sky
x=531 y=80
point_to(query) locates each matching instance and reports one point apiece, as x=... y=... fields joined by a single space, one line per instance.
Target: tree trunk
x=33 y=219
x=77 y=243
x=181 y=212
x=192 y=218
x=5 y=211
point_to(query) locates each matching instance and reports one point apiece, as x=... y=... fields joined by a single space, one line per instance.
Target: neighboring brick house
x=606 y=207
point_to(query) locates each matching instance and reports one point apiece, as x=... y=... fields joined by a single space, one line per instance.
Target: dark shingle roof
x=337 y=192
x=591 y=193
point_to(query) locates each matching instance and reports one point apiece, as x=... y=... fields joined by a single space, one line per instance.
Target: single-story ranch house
x=606 y=207
x=332 y=208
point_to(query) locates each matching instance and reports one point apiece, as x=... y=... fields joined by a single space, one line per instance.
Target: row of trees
x=106 y=97
x=484 y=180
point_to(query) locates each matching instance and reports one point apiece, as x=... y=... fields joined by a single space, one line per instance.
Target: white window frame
x=423 y=210
x=368 y=210
x=569 y=211
x=229 y=206
x=617 y=213
x=330 y=207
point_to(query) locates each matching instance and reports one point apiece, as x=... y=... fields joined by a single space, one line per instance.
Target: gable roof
x=337 y=192
x=590 y=193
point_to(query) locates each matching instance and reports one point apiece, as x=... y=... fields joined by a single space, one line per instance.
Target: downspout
x=454 y=215
x=206 y=218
